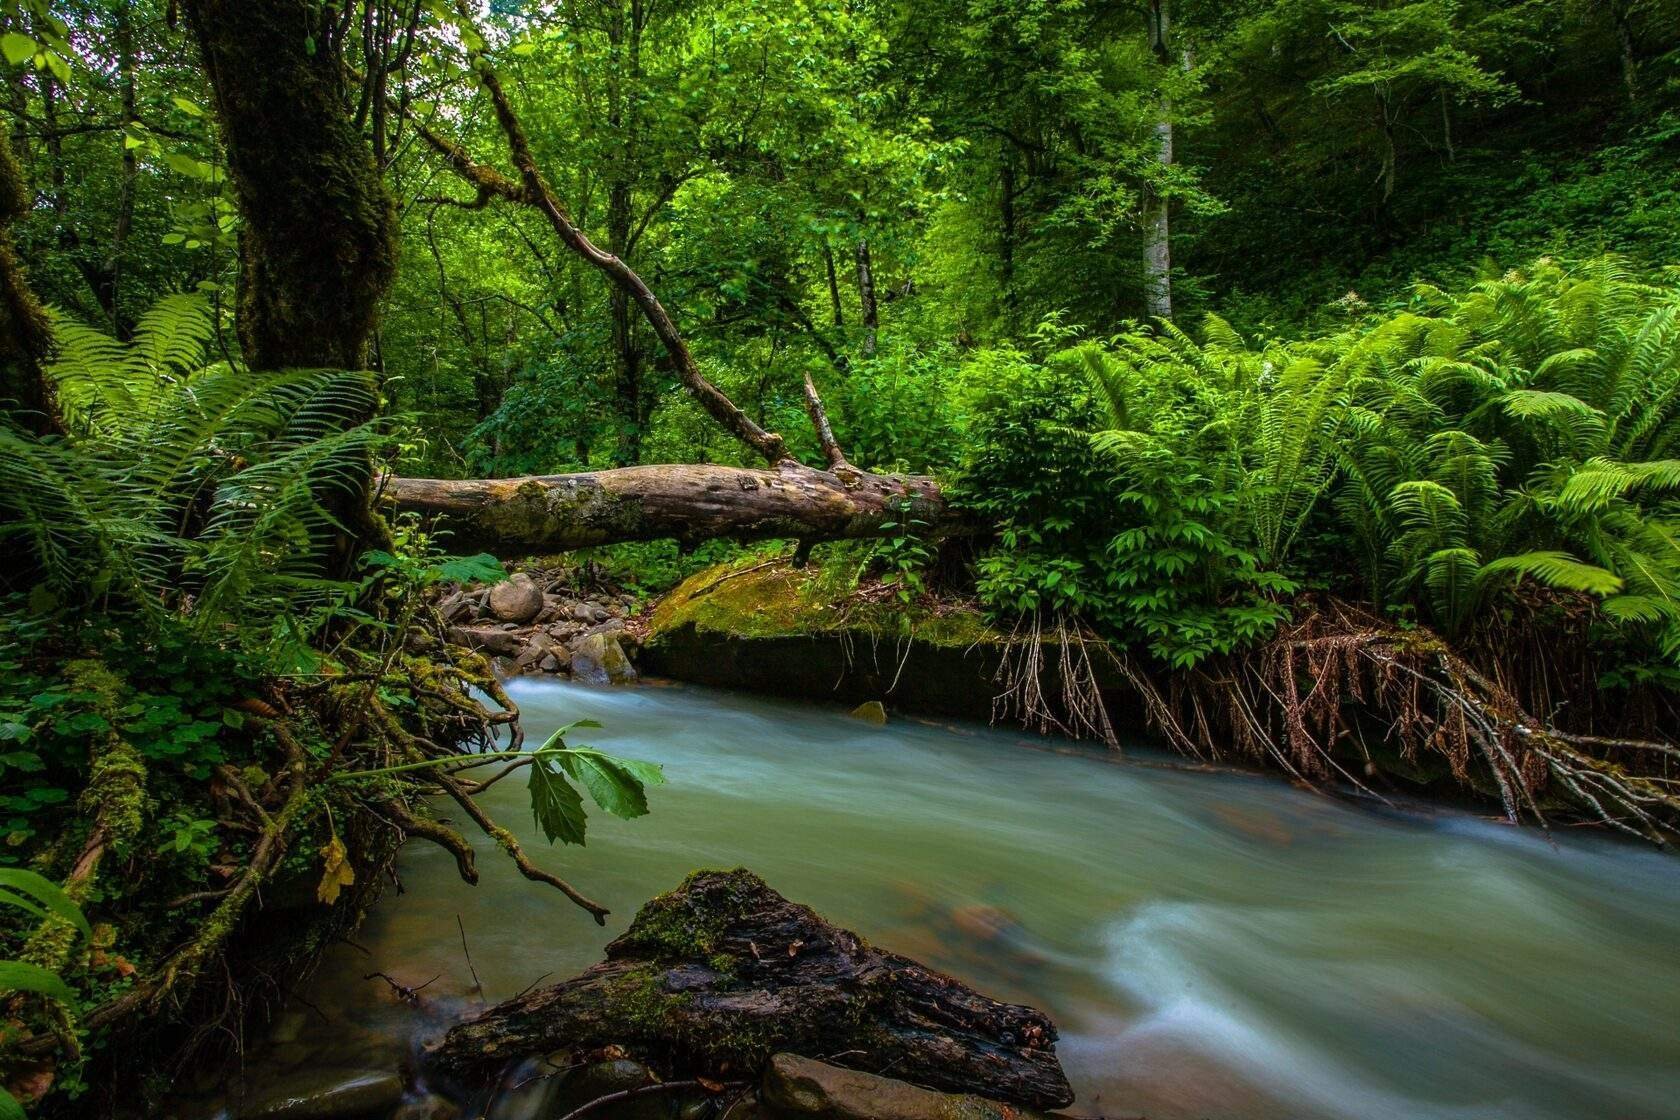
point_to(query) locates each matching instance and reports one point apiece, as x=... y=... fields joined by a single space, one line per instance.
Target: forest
x=1146 y=510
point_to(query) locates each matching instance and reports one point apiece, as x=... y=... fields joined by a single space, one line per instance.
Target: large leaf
x=557 y=807
x=16 y=976
x=47 y=893
x=615 y=784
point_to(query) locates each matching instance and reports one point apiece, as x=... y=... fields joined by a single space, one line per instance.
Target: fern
x=183 y=485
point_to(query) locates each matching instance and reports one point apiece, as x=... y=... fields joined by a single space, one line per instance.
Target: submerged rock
x=798 y=1087
x=718 y=975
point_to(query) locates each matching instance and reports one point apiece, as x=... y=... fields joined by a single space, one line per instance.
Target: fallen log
x=515 y=517
x=715 y=977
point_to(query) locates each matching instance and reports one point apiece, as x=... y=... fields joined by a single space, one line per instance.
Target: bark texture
x=554 y=513
x=1157 y=241
x=319 y=245
x=723 y=972
x=26 y=396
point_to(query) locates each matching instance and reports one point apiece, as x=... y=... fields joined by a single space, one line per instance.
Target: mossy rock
x=721 y=973
x=787 y=631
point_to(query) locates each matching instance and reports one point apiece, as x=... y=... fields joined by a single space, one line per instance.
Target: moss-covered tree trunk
x=318 y=249
x=25 y=333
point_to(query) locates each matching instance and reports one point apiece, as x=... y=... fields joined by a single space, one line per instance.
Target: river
x=1212 y=944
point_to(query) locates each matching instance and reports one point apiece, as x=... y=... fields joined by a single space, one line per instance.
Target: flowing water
x=1212 y=944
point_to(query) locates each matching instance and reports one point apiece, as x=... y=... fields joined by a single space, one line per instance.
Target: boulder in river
x=516 y=599
x=599 y=659
x=715 y=977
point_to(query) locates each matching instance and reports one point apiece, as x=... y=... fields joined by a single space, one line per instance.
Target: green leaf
x=59 y=67
x=188 y=106
x=7 y=898
x=18 y=48
x=16 y=976
x=614 y=784
x=1555 y=569
x=556 y=806
x=10 y=1109
x=47 y=893
x=483 y=568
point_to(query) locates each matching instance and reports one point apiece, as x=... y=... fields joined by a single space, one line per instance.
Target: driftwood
x=715 y=977
x=692 y=503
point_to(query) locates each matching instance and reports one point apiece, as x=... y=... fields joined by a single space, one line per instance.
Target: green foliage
x=37 y=897
x=213 y=482
x=616 y=785
x=1155 y=507
x=1523 y=429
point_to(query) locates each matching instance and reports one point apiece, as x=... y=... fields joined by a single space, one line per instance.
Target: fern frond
x=1559 y=570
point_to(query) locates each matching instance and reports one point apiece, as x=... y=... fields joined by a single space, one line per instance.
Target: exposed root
x=1340 y=680
x=1078 y=711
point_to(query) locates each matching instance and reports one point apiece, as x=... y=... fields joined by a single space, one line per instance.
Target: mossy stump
x=715 y=977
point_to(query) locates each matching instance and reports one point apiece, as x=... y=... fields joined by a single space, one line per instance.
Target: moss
x=742 y=601
x=673 y=927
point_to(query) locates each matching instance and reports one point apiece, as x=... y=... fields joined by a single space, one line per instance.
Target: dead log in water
x=715 y=977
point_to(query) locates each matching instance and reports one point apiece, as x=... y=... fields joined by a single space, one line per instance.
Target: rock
x=715 y=977
x=552 y=609
x=516 y=599
x=871 y=711
x=491 y=639
x=323 y=1094
x=533 y=652
x=599 y=659
x=796 y=1086
x=455 y=606
x=549 y=664
x=582 y=612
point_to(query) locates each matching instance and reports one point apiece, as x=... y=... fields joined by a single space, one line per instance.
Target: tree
x=319 y=248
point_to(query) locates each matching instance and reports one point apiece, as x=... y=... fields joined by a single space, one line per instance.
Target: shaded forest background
x=875 y=193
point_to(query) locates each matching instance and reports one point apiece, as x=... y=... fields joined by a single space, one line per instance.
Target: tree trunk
x=624 y=35
x=866 y=297
x=1006 y=238
x=833 y=285
x=516 y=517
x=1157 y=245
x=1619 y=15
x=26 y=396
x=126 y=69
x=319 y=249
x=723 y=972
